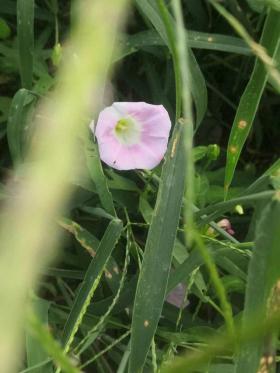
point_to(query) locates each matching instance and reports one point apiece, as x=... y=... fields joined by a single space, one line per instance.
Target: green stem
x=217 y=283
x=183 y=60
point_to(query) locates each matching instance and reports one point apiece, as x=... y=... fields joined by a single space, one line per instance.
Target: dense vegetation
x=219 y=236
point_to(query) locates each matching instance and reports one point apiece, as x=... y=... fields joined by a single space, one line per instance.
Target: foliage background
x=85 y=297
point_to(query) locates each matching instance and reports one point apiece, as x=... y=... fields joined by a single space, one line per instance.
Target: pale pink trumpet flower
x=132 y=135
x=226 y=225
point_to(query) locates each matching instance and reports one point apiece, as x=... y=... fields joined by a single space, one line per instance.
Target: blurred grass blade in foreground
x=263 y=276
x=28 y=230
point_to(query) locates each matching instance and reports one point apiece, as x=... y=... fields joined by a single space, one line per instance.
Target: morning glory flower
x=226 y=225
x=132 y=135
x=177 y=296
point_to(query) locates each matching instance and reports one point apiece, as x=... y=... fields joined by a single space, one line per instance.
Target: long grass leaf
x=91 y=281
x=91 y=244
x=195 y=82
x=196 y=40
x=263 y=276
x=25 y=32
x=16 y=126
x=92 y=334
x=217 y=283
x=219 y=208
x=155 y=268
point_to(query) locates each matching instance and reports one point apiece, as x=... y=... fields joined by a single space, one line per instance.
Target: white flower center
x=128 y=131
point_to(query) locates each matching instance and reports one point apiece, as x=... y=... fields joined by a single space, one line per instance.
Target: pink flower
x=177 y=296
x=226 y=225
x=132 y=135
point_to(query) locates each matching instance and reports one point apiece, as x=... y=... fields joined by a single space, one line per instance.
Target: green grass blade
x=256 y=48
x=149 y=9
x=217 y=42
x=194 y=261
x=166 y=32
x=91 y=244
x=275 y=85
x=16 y=123
x=91 y=336
x=51 y=346
x=97 y=175
x=251 y=97
x=25 y=32
x=184 y=270
x=91 y=281
x=264 y=179
x=198 y=89
x=64 y=273
x=35 y=354
x=217 y=284
x=86 y=239
x=154 y=273
x=197 y=82
x=264 y=273
x=218 y=209
x=196 y=40
x=198 y=359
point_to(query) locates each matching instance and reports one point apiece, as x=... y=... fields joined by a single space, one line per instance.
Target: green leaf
x=5 y=103
x=5 y=30
x=251 y=97
x=25 y=32
x=151 y=288
x=17 y=122
x=184 y=270
x=198 y=89
x=65 y=273
x=35 y=353
x=258 y=5
x=264 y=273
x=121 y=183
x=274 y=4
x=97 y=175
x=91 y=281
x=263 y=181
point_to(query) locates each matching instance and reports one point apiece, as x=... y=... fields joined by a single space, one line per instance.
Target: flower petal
x=106 y=121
